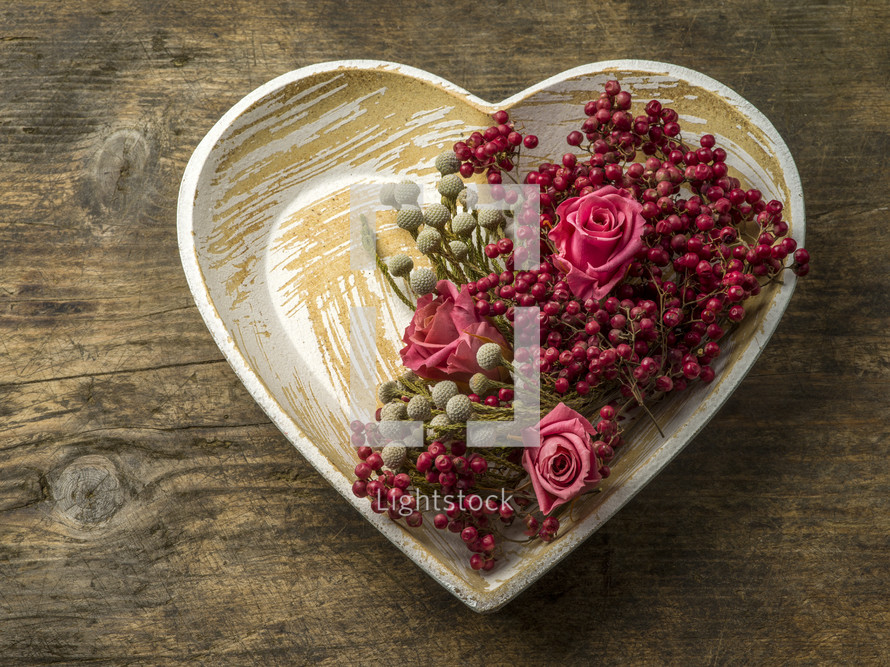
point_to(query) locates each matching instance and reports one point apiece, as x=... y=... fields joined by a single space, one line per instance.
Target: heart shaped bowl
x=263 y=223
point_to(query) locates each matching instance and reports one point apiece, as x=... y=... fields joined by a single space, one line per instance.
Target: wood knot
x=88 y=491
x=119 y=169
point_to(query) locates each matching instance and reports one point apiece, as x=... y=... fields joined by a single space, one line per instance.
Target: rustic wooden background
x=150 y=513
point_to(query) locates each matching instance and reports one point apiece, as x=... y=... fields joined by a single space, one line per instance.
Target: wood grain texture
x=150 y=514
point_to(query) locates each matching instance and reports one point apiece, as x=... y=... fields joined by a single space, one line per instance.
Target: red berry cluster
x=452 y=469
x=455 y=475
x=545 y=529
x=703 y=257
x=472 y=518
x=613 y=137
x=495 y=150
x=386 y=490
x=502 y=399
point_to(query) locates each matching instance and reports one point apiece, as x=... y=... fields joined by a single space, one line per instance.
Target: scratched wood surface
x=151 y=514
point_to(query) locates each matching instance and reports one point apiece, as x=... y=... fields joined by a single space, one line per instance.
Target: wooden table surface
x=150 y=512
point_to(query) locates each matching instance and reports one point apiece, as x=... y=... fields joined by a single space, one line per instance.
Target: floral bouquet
x=635 y=254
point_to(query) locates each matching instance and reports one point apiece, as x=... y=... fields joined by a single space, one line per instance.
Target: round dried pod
x=388 y=195
x=442 y=392
x=399 y=265
x=450 y=186
x=463 y=224
x=481 y=385
x=391 y=430
x=459 y=249
x=394 y=455
x=407 y=192
x=436 y=216
x=468 y=198
x=491 y=218
x=483 y=435
x=488 y=356
x=429 y=241
x=440 y=420
x=389 y=391
x=447 y=163
x=409 y=376
x=391 y=417
x=409 y=218
x=459 y=408
x=393 y=412
x=422 y=280
x=419 y=409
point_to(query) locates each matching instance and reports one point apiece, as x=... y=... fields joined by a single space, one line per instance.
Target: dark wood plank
x=150 y=513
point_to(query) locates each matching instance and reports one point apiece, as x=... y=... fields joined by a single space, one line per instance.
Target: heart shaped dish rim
x=488 y=600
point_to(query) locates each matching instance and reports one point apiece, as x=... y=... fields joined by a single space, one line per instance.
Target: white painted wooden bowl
x=264 y=228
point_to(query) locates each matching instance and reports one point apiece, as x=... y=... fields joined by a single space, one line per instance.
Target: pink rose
x=563 y=464
x=442 y=339
x=596 y=238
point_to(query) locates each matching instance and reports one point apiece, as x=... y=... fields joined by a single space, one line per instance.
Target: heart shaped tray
x=263 y=223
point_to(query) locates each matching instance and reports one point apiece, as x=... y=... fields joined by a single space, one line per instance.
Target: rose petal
x=439 y=327
x=444 y=335
x=597 y=237
x=563 y=464
x=562 y=469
